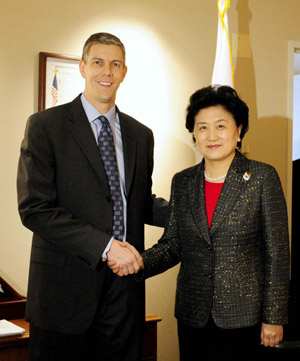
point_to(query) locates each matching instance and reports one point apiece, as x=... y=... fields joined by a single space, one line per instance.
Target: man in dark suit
x=75 y=305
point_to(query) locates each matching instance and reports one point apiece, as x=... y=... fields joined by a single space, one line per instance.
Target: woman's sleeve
x=275 y=224
x=166 y=253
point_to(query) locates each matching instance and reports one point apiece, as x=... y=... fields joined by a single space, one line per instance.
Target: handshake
x=124 y=259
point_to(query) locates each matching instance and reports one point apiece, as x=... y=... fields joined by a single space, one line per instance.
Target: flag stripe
x=54 y=90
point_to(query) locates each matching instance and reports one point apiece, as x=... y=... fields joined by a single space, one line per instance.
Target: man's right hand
x=123 y=258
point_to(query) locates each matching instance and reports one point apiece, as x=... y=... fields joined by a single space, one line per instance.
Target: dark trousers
x=115 y=335
x=214 y=343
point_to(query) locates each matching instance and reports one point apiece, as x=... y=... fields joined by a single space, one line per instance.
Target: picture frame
x=60 y=80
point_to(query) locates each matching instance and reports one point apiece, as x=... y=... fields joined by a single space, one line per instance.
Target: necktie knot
x=104 y=121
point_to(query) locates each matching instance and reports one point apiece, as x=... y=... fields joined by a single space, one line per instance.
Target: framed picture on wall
x=60 y=80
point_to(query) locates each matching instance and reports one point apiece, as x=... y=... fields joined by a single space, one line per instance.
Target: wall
x=171 y=48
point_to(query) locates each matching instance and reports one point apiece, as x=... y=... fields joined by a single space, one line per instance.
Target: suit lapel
x=232 y=188
x=129 y=150
x=83 y=135
x=197 y=201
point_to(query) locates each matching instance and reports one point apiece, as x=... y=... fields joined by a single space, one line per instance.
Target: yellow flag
x=223 y=69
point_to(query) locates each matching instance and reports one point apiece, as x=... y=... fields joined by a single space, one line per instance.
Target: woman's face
x=216 y=133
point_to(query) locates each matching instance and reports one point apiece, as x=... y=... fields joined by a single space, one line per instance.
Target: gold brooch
x=247 y=176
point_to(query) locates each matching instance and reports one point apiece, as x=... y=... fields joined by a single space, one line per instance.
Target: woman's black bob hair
x=224 y=96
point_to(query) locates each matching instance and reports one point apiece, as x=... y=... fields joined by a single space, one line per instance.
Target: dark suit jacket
x=238 y=270
x=64 y=198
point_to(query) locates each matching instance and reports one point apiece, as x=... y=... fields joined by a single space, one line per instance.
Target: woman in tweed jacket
x=227 y=225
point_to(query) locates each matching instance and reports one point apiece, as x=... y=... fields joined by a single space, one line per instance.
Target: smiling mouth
x=213 y=146
x=105 y=83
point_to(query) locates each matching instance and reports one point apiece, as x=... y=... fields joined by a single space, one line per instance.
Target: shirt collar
x=92 y=113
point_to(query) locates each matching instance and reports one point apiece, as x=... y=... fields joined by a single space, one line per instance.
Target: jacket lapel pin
x=247 y=176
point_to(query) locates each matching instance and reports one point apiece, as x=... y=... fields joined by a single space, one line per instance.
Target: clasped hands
x=123 y=258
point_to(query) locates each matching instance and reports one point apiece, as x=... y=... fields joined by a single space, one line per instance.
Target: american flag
x=54 y=90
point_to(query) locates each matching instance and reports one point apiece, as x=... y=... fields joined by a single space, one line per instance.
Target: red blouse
x=212 y=194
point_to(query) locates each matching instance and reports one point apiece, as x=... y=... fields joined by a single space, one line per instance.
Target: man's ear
x=124 y=72
x=82 y=68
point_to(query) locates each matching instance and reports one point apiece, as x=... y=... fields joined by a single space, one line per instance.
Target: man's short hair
x=102 y=38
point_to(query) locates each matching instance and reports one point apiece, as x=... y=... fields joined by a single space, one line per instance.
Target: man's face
x=103 y=72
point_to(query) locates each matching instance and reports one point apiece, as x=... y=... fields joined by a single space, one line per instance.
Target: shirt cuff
x=107 y=248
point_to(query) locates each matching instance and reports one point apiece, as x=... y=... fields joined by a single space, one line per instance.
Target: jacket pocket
x=40 y=255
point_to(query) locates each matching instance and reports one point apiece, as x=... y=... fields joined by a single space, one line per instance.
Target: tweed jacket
x=238 y=270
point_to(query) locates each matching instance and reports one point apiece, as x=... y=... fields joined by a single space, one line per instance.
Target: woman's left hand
x=271 y=335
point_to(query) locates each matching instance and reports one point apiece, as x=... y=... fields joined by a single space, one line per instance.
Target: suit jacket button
x=210 y=277
x=108 y=198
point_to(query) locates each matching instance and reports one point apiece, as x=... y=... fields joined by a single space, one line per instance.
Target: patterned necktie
x=108 y=155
